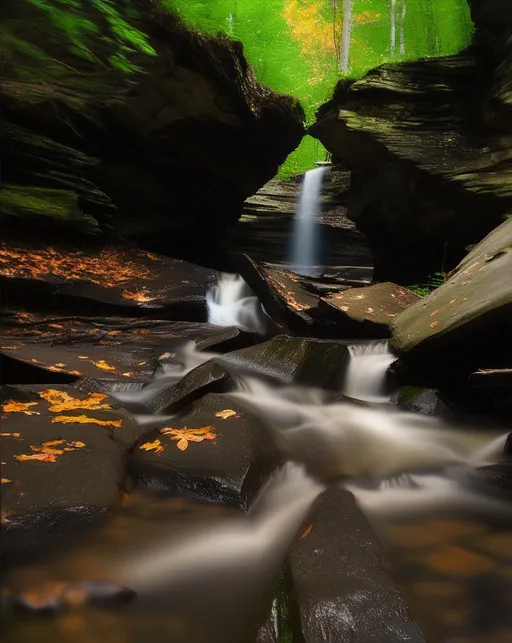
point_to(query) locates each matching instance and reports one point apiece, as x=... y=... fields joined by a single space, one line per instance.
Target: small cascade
x=305 y=253
x=231 y=303
x=366 y=373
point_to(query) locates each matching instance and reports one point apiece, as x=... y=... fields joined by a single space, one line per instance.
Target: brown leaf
x=84 y=419
x=185 y=435
x=155 y=446
x=11 y=406
x=227 y=413
x=62 y=401
x=307 y=531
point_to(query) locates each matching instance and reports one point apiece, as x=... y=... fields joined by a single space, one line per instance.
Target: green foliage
x=431 y=283
x=295 y=45
x=86 y=28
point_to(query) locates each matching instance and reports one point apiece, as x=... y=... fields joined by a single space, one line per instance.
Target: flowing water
x=305 y=257
x=231 y=303
x=366 y=373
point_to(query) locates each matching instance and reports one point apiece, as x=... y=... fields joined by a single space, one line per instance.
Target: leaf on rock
x=307 y=531
x=62 y=401
x=103 y=365
x=84 y=419
x=10 y=435
x=5 y=480
x=11 y=406
x=49 y=450
x=227 y=413
x=185 y=435
x=155 y=446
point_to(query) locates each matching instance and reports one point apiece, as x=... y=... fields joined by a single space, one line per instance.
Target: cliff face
x=126 y=122
x=429 y=144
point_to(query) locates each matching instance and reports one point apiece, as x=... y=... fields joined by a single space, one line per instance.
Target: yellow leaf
x=103 y=365
x=4 y=480
x=185 y=435
x=11 y=406
x=84 y=419
x=155 y=446
x=10 y=435
x=42 y=457
x=227 y=413
x=48 y=450
x=61 y=401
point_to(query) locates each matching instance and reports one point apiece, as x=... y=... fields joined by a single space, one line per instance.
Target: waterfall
x=305 y=259
x=230 y=302
x=365 y=378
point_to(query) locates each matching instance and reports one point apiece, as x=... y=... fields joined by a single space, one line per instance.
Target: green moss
x=28 y=202
x=431 y=283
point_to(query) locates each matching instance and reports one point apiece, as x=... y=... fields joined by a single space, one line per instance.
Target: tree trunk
x=346 y=35
x=393 y=27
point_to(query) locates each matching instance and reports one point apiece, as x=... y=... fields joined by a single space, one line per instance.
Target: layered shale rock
x=429 y=146
x=151 y=126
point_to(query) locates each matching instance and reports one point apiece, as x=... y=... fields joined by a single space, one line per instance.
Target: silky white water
x=231 y=303
x=366 y=373
x=305 y=238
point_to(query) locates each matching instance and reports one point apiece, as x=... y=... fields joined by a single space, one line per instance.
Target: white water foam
x=366 y=372
x=231 y=303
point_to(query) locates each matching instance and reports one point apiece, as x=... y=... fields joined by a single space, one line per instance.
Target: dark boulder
x=63 y=456
x=340 y=591
x=145 y=137
x=214 y=452
x=428 y=143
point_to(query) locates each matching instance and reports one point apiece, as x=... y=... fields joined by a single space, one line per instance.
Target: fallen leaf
x=307 y=531
x=11 y=406
x=62 y=401
x=42 y=457
x=49 y=450
x=185 y=435
x=227 y=413
x=155 y=446
x=434 y=324
x=4 y=480
x=84 y=419
x=10 y=435
x=104 y=366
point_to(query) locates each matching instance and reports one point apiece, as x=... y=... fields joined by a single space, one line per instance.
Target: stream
x=170 y=567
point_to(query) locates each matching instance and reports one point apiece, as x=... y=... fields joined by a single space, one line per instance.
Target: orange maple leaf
x=42 y=457
x=185 y=435
x=10 y=435
x=155 y=446
x=49 y=450
x=84 y=419
x=4 y=480
x=11 y=406
x=227 y=413
x=103 y=365
x=61 y=401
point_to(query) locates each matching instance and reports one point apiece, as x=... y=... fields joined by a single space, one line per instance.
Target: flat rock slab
x=112 y=276
x=369 y=311
x=62 y=455
x=111 y=331
x=291 y=300
x=215 y=453
x=477 y=297
x=315 y=362
x=340 y=590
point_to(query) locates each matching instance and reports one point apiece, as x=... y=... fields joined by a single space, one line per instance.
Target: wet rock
x=214 y=452
x=340 y=591
x=369 y=312
x=108 y=278
x=314 y=362
x=419 y=400
x=439 y=151
x=127 y=151
x=63 y=463
x=209 y=377
x=472 y=306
